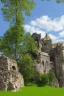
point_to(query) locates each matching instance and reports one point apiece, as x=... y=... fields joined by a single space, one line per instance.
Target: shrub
x=43 y=80
x=36 y=77
x=51 y=76
x=26 y=68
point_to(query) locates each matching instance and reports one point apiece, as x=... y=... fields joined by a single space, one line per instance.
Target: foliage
x=58 y=1
x=13 y=10
x=26 y=68
x=43 y=80
x=51 y=76
x=8 y=43
x=30 y=46
x=26 y=44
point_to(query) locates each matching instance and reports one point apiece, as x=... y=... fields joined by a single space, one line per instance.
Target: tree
x=58 y=1
x=26 y=68
x=13 y=10
x=30 y=46
x=26 y=44
x=8 y=42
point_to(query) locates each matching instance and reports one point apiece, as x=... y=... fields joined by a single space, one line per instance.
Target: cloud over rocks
x=45 y=24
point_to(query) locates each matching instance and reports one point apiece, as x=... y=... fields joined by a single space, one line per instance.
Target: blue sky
x=46 y=17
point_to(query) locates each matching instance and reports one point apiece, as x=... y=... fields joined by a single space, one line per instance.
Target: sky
x=46 y=17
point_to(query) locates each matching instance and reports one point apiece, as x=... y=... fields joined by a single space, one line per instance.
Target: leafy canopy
x=26 y=68
x=12 y=8
x=58 y=1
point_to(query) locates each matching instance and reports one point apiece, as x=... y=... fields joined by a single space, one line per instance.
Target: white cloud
x=32 y=29
x=45 y=24
x=53 y=37
x=49 y=24
x=27 y=27
x=61 y=34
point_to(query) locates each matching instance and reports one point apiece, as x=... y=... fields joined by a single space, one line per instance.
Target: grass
x=36 y=91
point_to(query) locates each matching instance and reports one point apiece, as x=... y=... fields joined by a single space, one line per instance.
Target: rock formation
x=10 y=78
x=43 y=64
x=51 y=58
x=59 y=63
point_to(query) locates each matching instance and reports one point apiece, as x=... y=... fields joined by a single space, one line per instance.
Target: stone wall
x=10 y=78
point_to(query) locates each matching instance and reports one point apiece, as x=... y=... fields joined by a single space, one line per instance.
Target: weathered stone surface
x=54 y=83
x=46 y=43
x=10 y=78
x=50 y=57
x=45 y=56
x=59 y=63
x=36 y=36
x=43 y=66
x=43 y=63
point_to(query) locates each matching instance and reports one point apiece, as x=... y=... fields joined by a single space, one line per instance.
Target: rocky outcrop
x=54 y=83
x=50 y=57
x=10 y=78
x=43 y=63
x=59 y=63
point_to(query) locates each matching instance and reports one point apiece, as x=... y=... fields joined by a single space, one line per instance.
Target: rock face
x=43 y=59
x=54 y=83
x=46 y=43
x=10 y=78
x=43 y=66
x=59 y=63
x=48 y=58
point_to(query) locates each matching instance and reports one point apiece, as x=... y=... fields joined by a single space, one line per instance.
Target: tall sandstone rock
x=46 y=57
x=59 y=63
x=10 y=78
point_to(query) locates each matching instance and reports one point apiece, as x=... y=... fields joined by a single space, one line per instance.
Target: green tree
x=13 y=11
x=30 y=45
x=51 y=76
x=8 y=42
x=26 y=68
x=58 y=1
x=26 y=44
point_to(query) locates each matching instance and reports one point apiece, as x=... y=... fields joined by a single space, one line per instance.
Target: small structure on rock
x=10 y=78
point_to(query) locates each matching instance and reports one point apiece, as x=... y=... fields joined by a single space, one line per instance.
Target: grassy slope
x=36 y=91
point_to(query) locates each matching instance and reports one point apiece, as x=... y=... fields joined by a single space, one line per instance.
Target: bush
x=43 y=80
x=51 y=76
x=26 y=68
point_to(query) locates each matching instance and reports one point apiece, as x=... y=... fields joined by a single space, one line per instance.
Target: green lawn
x=36 y=91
